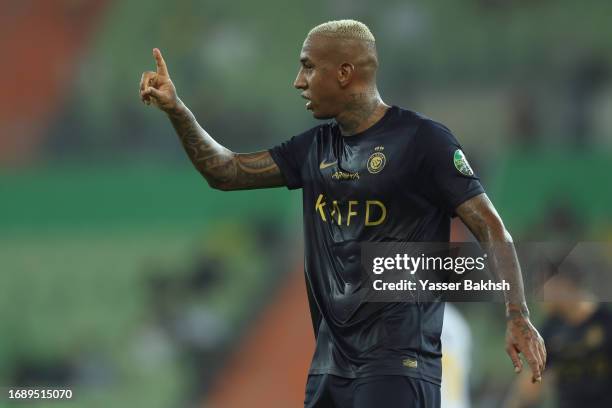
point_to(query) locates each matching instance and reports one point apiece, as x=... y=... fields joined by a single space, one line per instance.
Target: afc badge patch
x=462 y=164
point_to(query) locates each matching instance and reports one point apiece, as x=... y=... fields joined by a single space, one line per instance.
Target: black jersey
x=398 y=181
x=581 y=357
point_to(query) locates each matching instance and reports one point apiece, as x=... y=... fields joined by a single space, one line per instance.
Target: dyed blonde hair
x=350 y=29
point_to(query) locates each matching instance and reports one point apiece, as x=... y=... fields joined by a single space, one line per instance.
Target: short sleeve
x=449 y=177
x=290 y=156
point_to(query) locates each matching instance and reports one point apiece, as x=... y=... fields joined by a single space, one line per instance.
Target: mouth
x=309 y=103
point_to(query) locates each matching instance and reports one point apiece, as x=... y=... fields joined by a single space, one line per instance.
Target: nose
x=300 y=82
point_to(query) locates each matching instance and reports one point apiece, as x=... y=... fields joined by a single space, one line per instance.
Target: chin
x=322 y=115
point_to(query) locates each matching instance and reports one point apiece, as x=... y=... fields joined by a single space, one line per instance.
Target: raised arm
x=222 y=168
x=482 y=219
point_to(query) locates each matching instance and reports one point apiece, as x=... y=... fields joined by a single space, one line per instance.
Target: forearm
x=484 y=222
x=215 y=162
x=504 y=263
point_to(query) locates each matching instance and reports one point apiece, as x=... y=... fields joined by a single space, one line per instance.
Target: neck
x=361 y=111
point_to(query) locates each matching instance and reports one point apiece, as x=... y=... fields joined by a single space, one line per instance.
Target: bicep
x=254 y=170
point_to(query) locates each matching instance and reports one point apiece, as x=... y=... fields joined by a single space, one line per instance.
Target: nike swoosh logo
x=324 y=165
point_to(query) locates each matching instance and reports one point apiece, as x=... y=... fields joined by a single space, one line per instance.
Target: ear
x=345 y=74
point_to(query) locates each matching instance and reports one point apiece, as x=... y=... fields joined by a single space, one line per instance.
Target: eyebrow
x=304 y=60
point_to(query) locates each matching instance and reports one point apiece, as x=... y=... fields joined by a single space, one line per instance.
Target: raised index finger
x=161 y=64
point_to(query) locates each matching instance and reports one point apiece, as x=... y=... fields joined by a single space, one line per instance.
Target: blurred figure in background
x=456 y=359
x=578 y=337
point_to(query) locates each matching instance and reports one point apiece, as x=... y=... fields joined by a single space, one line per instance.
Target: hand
x=523 y=338
x=156 y=87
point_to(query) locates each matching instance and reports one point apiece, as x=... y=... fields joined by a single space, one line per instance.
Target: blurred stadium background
x=125 y=277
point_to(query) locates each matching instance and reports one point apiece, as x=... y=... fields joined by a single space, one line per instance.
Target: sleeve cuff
x=464 y=197
x=291 y=181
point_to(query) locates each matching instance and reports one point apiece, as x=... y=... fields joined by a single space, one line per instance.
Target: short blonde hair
x=351 y=29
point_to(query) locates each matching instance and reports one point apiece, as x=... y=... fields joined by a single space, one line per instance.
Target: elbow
x=222 y=176
x=507 y=236
x=223 y=187
x=216 y=184
x=491 y=229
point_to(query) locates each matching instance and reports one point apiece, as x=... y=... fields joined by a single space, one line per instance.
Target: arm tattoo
x=482 y=219
x=222 y=168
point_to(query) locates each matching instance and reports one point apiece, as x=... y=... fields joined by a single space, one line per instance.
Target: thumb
x=516 y=360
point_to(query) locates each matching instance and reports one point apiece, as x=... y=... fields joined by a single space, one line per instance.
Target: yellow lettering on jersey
x=350 y=212
x=335 y=208
x=379 y=221
x=319 y=207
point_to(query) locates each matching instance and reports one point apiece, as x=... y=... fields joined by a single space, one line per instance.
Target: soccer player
x=578 y=332
x=375 y=173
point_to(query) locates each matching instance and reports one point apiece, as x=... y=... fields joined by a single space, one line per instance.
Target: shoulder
x=432 y=136
x=431 y=131
x=426 y=128
x=599 y=326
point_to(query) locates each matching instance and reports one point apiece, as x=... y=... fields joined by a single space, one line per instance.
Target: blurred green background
x=125 y=276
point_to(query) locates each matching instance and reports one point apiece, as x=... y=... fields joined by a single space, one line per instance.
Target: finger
x=542 y=354
x=534 y=364
x=516 y=360
x=145 y=98
x=155 y=93
x=161 y=64
x=145 y=81
x=544 y=350
x=539 y=353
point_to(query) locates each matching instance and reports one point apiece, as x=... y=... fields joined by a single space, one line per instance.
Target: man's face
x=317 y=78
x=559 y=295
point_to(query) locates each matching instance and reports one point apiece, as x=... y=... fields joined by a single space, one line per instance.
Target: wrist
x=178 y=109
x=514 y=310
